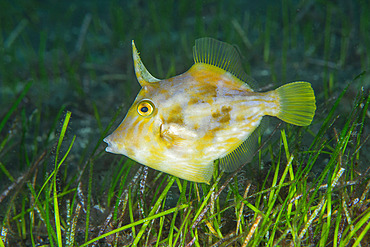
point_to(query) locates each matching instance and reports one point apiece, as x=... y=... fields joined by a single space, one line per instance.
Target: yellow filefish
x=181 y=125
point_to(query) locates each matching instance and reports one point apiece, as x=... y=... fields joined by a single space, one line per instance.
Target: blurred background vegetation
x=76 y=56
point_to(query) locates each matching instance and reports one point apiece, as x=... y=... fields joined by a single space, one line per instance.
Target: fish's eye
x=145 y=108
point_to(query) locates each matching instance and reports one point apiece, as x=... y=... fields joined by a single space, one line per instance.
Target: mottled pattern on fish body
x=183 y=124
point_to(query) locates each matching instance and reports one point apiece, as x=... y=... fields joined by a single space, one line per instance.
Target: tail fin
x=297 y=103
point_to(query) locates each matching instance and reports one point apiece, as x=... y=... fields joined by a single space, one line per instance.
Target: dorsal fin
x=142 y=74
x=222 y=55
x=244 y=152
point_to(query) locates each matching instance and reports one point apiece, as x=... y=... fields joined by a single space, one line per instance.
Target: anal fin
x=244 y=152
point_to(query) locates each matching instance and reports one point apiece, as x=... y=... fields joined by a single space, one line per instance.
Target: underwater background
x=60 y=56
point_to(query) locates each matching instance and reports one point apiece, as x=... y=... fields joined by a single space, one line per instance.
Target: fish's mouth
x=110 y=148
x=116 y=144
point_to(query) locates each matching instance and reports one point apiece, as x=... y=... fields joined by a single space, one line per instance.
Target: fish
x=185 y=124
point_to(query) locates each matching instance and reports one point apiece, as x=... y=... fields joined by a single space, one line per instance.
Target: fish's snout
x=107 y=140
x=113 y=146
x=109 y=148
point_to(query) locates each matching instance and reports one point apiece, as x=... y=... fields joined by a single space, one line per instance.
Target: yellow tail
x=297 y=103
